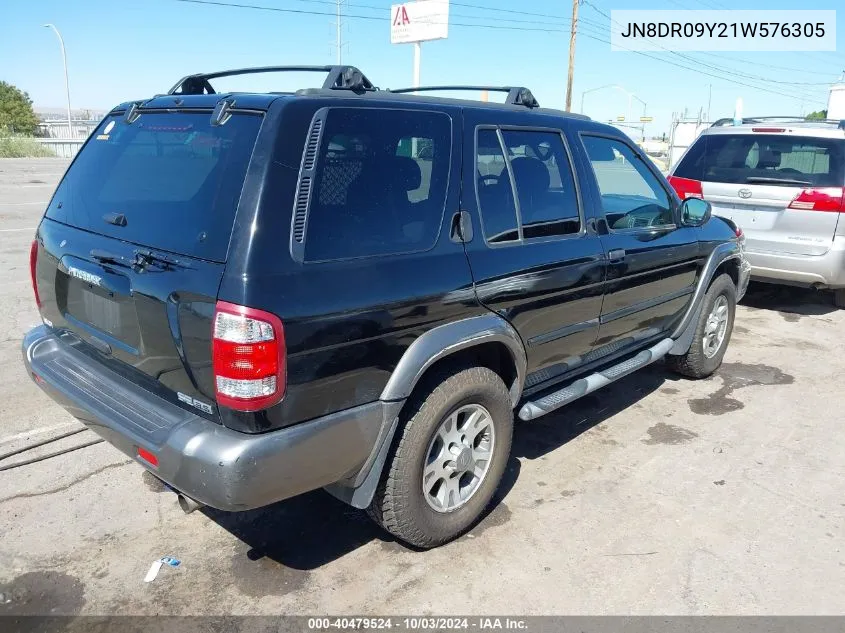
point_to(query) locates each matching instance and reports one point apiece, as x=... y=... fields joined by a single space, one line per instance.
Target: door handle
x=616 y=254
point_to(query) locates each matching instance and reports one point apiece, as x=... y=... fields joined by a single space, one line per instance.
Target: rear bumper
x=222 y=468
x=826 y=271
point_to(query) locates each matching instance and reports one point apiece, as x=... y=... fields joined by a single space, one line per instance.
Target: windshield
x=771 y=159
x=170 y=180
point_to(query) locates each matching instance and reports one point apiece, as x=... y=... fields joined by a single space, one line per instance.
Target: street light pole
x=586 y=92
x=67 y=84
x=633 y=96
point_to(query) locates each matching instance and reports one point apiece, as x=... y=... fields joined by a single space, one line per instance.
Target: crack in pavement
x=29 y=495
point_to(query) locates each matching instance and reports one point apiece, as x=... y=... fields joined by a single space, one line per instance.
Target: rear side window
x=772 y=159
x=174 y=178
x=545 y=186
x=382 y=179
x=495 y=195
x=632 y=196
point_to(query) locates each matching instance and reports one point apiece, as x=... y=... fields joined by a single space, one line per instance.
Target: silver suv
x=780 y=180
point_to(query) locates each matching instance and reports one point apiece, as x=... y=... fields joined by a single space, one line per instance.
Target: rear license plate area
x=103 y=310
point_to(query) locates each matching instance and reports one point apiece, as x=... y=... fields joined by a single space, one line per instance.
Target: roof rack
x=760 y=119
x=337 y=78
x=517 y=95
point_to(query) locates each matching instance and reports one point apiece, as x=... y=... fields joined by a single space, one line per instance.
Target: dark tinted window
x=545 y=187
x=631 y=195
x=765 y=159
x=495 y=196
x=175 y=178
x=381 y=184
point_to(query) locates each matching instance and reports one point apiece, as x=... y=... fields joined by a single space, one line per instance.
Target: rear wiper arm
x=777 y=181
x=105 y=257
x=145 y=257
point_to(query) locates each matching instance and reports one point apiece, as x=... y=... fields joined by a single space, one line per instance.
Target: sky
x=119 y=51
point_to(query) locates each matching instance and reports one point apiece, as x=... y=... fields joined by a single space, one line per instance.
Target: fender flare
x=685 y=329
x=444 y=340
x=437 y=343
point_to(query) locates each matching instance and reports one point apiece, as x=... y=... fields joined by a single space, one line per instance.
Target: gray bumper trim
x=222 y=468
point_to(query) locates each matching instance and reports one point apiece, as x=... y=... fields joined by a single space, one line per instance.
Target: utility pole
x=339 y=33
x=571 y=55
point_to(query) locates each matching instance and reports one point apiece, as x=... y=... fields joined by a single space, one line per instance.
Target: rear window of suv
x=765 y=159
x=174 y=178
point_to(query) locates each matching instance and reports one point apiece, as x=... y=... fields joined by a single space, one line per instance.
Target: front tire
x=839 y=298
x=451 y=449
x=712 y=334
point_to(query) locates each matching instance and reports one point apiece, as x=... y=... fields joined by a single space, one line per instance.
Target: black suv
x=258 y=295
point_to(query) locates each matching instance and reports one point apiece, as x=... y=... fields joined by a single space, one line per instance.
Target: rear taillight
x=33 y=261
x=821 y=199
x=248 y=352
x=768 y=130
x=686 y=187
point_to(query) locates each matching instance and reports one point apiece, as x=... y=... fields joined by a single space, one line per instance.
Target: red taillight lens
x=248 y=355
x=821 y=199
x=686 y=187
x=768 y=130
x=33 y=261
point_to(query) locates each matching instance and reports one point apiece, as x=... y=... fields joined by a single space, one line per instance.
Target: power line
x=220 y=3
x=381 y=9
x=223 y=3
x=763 y=65
x=697 y=70
x=689 y=58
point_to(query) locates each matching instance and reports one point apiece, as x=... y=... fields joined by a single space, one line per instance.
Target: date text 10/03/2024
x=418 y=623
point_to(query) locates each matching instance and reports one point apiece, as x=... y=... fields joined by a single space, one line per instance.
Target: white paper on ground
x=151 y=575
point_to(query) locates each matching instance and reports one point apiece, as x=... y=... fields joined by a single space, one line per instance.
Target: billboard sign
x=419 y=21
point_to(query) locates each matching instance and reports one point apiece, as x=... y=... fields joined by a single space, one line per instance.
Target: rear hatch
x=134 y=244
x=783 y=188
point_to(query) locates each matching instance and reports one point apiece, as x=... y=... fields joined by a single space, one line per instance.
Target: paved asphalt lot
x=654 y=496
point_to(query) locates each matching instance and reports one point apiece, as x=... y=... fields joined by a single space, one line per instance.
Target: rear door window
x=543 y=181
x=495 y=194
x=382 y=180
x=771 y=159
x=173 y=177
x=545 y=187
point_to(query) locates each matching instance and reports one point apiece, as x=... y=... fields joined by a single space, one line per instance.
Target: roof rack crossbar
x=517 y=95
x=337 y=78
x=727 y=121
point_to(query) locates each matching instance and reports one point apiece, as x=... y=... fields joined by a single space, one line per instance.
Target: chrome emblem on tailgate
x=744 y=193
x=87 y=277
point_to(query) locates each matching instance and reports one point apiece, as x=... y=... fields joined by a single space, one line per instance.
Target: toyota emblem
x=744 y=193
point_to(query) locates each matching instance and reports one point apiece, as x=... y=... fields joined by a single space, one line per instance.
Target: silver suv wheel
x=458 y=458
x=716 y=327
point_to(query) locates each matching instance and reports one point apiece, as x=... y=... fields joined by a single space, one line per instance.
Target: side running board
x=581 y=387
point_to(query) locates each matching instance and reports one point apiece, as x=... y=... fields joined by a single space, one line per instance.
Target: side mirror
x=695 y=212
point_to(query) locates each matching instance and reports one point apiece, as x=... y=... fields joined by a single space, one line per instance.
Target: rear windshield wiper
x=105 y=257
x=777 y=181
x=145 y=257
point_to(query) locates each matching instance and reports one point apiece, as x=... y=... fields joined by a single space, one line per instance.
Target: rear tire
x=839 y=297
x=426 y=496
x=712 y=334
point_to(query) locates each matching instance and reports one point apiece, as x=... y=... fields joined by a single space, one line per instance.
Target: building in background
x=836 y=100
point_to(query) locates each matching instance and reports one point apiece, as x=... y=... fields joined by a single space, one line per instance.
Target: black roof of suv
x=256 y=295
